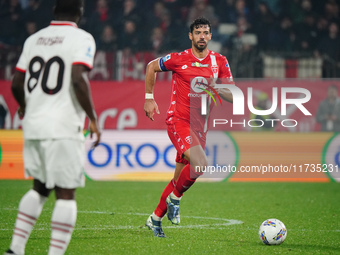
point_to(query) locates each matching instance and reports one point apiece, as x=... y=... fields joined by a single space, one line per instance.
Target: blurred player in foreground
x=187 y=133
x=51 y=86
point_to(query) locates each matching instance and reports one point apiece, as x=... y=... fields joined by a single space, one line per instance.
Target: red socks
x=186 y=178
x=161 y=208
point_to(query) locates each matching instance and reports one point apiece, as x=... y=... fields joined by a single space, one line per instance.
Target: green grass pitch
x=110 y=216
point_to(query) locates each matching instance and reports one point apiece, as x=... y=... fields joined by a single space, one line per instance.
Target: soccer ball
x=272 y=231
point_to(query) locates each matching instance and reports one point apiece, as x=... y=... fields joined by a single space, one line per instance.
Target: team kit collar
x=63 y=23
x=199 y=59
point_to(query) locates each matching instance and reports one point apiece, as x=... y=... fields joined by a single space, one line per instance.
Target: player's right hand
x=94 y=129
x=150 y=107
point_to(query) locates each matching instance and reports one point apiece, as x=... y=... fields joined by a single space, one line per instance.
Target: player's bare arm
x=150 y=105
x=19 y=92
x=226 y=94
x=82 y=91
x=223 y=92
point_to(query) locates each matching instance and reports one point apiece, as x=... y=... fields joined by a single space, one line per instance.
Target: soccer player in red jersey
x=186 y=126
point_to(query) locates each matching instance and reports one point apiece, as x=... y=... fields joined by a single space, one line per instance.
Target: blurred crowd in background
x=291 y=28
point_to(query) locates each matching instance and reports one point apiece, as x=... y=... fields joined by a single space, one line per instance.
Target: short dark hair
x=68 y=7
x=199 y=21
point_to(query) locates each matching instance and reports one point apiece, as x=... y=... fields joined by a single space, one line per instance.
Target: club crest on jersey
x=188 y=139
x=214 y=68
x=197 y=64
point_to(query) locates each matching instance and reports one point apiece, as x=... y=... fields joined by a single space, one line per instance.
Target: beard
x=200 y=47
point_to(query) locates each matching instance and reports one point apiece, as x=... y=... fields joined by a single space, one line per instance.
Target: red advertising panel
x=120 y=105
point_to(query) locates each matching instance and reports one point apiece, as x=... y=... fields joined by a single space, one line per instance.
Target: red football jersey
x=190 y=75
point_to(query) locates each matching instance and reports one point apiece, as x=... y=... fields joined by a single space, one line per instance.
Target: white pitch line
x=225 y=222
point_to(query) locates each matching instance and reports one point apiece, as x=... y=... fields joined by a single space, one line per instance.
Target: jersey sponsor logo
x=199 y=83
x=184 y=67
x=197 y=64
x=194 y=95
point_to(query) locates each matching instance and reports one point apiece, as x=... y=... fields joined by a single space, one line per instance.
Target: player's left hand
x=150 y=107
x=94 y=128
x=21 y=112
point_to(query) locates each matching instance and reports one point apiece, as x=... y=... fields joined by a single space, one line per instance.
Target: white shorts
x=58 y=162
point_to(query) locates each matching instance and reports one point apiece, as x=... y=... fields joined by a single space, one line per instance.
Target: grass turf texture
x=110 y=215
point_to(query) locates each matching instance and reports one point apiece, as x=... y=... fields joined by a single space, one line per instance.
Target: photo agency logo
x=297 y=98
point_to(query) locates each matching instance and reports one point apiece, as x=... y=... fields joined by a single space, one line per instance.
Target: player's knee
x=41 y=188
x=67 y=194
x=199 y=164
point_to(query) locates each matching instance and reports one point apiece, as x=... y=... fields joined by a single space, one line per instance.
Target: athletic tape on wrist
x=148 y=96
